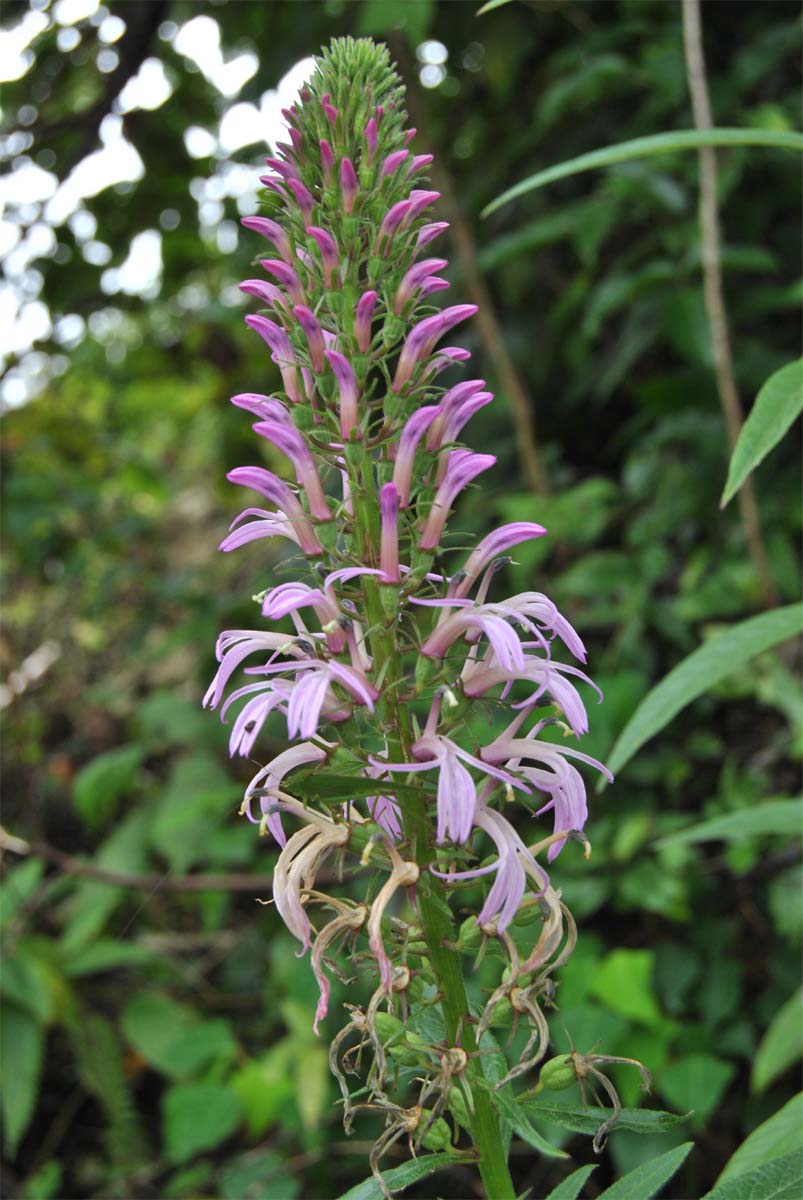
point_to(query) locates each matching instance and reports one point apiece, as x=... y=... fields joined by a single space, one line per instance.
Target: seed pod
x=557 y=1074
x=456 y=1103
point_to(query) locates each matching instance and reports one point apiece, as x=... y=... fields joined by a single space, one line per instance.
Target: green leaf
x=403 y=1176
x=588 y=1120
x=508 y=1107
x=171 y=1036
x=18 y=885
x=23 y=980
x=649 y=1178
x=777 y=405
x=21 y=1046
x=569 y=1189
x=307 y=785
x=781 y=1134
x=623 y=981
x=265 y=1086
x=642 y=147
x=106 y=954
x=489 y=6
x=774 y=816
x=782 y=1044
x=696 y=1082
x=706 y=666
x=99 y=784
x=45 y=1184
x=781 y=1179
x=198 y=1116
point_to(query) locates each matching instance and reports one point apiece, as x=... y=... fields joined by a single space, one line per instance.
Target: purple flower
x=411 y=435
x=389 y=543
x=328 y=249
x=286 y=276
x=327 y=158
x=393 y=162
x=428 y=233
x=282 y=352
x=273 y=296
x=496 y=543
x=413 y=280
x=303 y=198
x=314 y=335
x=349 y=395
x=462 y=468
x=291 y=443
x=370 y=140
x=273 y=232
x=348 y=184
x=422 y=337
x=419 y=163
x=266 y=524
x=362 y=320
x=268 y=780
x=275 y=489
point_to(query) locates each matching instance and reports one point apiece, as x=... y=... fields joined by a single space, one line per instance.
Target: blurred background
x=157 y=1026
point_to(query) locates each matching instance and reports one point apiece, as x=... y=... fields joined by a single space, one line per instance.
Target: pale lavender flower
x=265 y=524
x=496 y=543
x=463 y=466
x=286 y=276
x=276 y=490
x=428 y=233
x=411 y=435
x=313 y=333
x=268 y=780
x=282 y=352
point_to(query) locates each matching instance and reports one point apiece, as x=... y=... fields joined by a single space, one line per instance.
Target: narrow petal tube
x=348 y=184
x=328 y=249
x=463 y=467
x=303 y=198
x=314 y=335
x=273 y=232
x=275 y=489
x=282 y=352
x=411 y=435
x=389 y=547
x=349 y=396
x=422 y=338
x=362 y=320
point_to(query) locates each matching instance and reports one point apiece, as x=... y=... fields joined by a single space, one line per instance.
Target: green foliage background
x=157 y=1041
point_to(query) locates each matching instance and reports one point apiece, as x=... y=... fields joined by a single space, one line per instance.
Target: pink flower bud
x=423 y=336
x=286 y=276
x=362 y=320
x=371 y=140
x=327 y=158
x=349 y=396
x=349 y=185
x=389 y=544
x=413 y=279
x=303 y=198
x=273 y=232
x=309 y=323
x=392 y=162
x=282 y=352
x=463 y=467
x=328 y=249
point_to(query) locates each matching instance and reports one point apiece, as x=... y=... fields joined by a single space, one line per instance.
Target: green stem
x=436 y=920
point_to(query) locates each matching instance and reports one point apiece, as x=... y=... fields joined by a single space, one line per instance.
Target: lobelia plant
x=394 y=651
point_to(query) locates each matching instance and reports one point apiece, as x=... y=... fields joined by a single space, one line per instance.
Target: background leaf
x=646 y=1180
x=402 y=1177
x=571 y=1186
x=779 y=1135
x=782 y=1044
x=771 y=817
x=780 y=1179
x=776 y=406
x=717 y=658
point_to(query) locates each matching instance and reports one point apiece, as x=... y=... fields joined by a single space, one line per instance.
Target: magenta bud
x=428 y=233
x=419 y=163
x=371 y=140
x=303 y=198
x=272 y=296
x=286 y=170
x=393 y=161
x=347 y=385
x=273 y=232
x=296 y=139
x=275 y=185
x=410 y=134
x=362 y=320
x=419 y=200
x=413 y=280
x=328 y=249
x=389 y=542
x=327 y=158
x=331 y=114
x=314 y=335
x=286 y=276
x=348 y=182
x=431 y=285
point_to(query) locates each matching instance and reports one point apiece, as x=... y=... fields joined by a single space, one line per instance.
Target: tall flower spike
x=384 y=620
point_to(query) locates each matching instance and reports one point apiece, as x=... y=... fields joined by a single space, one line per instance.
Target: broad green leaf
x=401 y=1177
x=780 y=1179
x=775 y=816
x=508 y=1107
x=642 y=147
x=45 y=1184
x=707 y=665
x=106 y=954
x=777 y=405
x=249 y=1179
x=696 y=1081
x=19 y=883
x=102 y=781
x=649 y=1178
x=311 y=1072
x=198 y=1116
x=588 y=1120
x=781 y=1134
x=569 y=1189
x=21 y=1046
x=23 y=980
x=265 y=1086
x=93 y=902
x=623 y=981
x=171 y=1036
x=782 y=1044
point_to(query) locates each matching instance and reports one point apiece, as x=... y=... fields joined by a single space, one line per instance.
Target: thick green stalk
x=436 y=923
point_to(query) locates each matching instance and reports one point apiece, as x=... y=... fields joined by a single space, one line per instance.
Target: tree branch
x=712 y=287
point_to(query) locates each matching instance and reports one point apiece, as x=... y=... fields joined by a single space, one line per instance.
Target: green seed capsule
x=438 y=1136
x=388 y=1026
x=557 y=1074
x=470 y=935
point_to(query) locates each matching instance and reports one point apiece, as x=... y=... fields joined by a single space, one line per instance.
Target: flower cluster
x=380 y=653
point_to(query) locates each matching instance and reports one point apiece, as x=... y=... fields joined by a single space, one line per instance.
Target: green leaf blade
x=781 y=1179
x=569 y=1188
x=772 y=817
x=403 y=1176
x=782 y=1044
x=644 y=147
x=706 y=666
x=649 y=1178
x=779 y=1135
x=777 y=405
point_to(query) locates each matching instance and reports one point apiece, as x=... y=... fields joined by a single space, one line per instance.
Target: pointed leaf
x=781 y=1179
x=508 y=1107
x=714 y=660
x=782 y=1044
x=777 y=405
x=774 y=816
x=778 y=1136
x=569 y=1189
x=588 y=1120
x=403 y=1176
x=649 y=1178
x=21 y=1046
x=642 y=147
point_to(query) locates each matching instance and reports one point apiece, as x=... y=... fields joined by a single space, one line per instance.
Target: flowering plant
x=397 y=643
